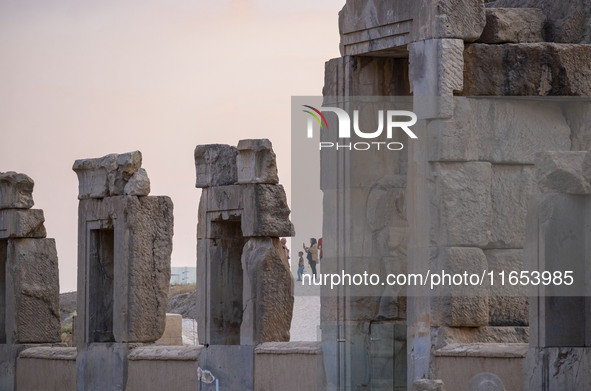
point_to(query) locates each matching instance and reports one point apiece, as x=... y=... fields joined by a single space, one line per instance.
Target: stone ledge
x=50 y=353
x=485 y=350
x=165 y=353
x=288 y=348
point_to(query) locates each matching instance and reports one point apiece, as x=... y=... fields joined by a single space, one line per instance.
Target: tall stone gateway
x=124 y=248
x=558 y=237
x=29 y=278
x=453 y=199
x=245 y=289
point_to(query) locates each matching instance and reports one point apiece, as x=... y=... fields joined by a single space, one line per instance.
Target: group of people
x=313 y=255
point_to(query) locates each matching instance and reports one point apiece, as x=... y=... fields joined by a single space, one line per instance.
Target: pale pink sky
x=85 y=79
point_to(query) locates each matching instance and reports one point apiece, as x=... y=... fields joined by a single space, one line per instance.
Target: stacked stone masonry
x=124 y=249
x=29 y=277
x=245 y=288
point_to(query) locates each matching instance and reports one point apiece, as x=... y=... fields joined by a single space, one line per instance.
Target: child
x=301 y=265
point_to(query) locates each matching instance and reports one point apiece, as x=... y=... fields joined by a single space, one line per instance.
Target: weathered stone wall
x=245 y=288
x=124 y=248
x=279 y=366
x=467 y=180
x=29 y=277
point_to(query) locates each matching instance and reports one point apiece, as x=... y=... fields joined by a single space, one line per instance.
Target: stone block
x=108 y=175
x=427 y=385
x=513 y=25
x=386 y=27
x=266 y=212
x=138 y=184
x=22 y=223
x=8 y=358
x=16 y=191
x=508 y=305
x=511 y=188
x=232 y=366
x=578 y=115
x=149 y=224
x=562 y=172
x=93 y=176
x=215 y=165
x=32 y=291
x=256 y=162
x=461 y=305
x=458 y=19
x=127 y=165
x=543 y=69
x=507 y=131
x=463 y=193
x=268 y=292
x=102 y=366
x=567 y=21
x=436 y=68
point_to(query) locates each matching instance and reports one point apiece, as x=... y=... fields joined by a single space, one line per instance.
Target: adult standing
x=312 y=255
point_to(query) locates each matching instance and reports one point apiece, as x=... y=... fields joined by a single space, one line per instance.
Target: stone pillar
x=364 y=229
x=124 y=248
x=245 y=289
x=558 y=240
x=29 y=278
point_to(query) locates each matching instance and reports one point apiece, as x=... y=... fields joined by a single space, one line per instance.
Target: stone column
x=124 y=248
x=29 y=277
x=245 y=288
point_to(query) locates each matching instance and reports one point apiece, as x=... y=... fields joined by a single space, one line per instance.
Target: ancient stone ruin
x=124 y=248
x=29 y=278
x=245 y=289
x=456 y=198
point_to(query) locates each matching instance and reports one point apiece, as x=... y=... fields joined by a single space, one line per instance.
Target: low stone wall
x=464 y=366
x=278 y=366
x=47 y=369
x=288 y=366
x=163 y=368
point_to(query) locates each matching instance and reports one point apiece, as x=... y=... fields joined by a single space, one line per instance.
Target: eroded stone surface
x=256 y=162
x=16 y=190
x=464 y=200
x=513 y=25
x=568 y=21
x=545 y=69
x=150 y=220
x=266 y=212
x=269 y=292
x=436 y=71
x=461 y=305
x=215 y=165
x=508 y=305
x=508 y=131
x=108 y=175
x=379 y=26
x=511 y=188
x=138 y=184
x=562 y=172
x=34 y=286
x=22 y=223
